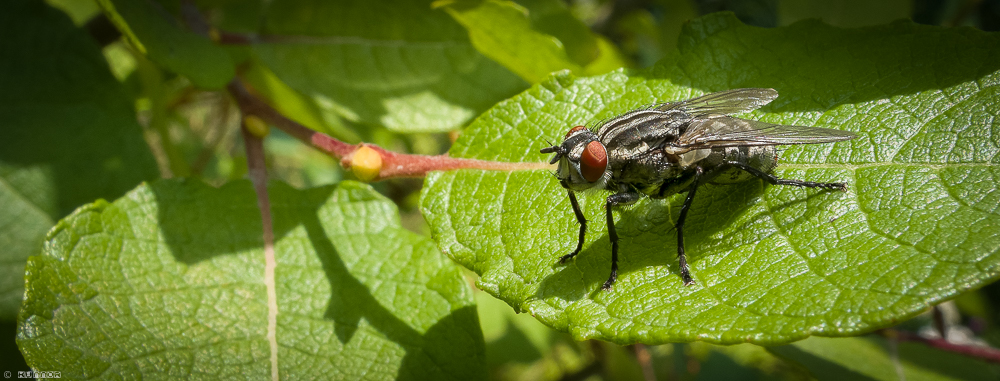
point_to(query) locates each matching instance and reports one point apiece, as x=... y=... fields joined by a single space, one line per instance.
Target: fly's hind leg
x=583 y=228
x=681 y=258
x=622 y=198
x=779 y=181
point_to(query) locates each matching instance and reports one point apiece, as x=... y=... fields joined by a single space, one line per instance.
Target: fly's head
x=583 y=160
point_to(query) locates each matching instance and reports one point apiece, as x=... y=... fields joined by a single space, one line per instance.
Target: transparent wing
x=724 y=131
x=724 y=102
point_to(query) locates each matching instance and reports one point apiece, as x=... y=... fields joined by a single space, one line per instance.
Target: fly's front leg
x=623 y=198
x=681 y=258
x=779 y=181
x=583 y=228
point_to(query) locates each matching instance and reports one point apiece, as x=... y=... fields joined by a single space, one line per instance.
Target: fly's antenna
x=558 y=150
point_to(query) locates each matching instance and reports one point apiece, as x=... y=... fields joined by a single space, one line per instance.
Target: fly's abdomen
x=764 y=158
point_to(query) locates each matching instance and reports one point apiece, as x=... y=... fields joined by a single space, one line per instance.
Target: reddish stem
x=981 y=352
x=393 y=164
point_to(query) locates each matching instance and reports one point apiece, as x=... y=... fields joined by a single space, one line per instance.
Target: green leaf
x=398 y=64
x=502 y=31
x=155 y=33
x=69 y=134
x=649 y=36
x=845 y=13
x=918 y=225
x=511 y=337
x=553 y=17
x=79 y=11
x=743 y=361
x=531 y=42
x=869 y=358
x=296 y=106
x=168 y=282
x=24 y=192
x=518 y=347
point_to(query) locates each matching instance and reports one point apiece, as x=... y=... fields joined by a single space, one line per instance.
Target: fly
x=676 y=147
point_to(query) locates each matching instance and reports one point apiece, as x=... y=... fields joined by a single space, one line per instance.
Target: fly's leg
x=779 y=181
x=583 y=228
x=675 y=185
x=681 y=258
x=623 y=198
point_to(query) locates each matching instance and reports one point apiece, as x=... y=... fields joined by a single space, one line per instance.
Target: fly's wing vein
x=724 y=102
x=724 y=131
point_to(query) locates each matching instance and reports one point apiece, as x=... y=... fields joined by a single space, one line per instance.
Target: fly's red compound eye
x=593 y=161
x=574 y=129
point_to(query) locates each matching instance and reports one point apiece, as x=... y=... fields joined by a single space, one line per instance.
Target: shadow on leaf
x=430 y=354
x=194 y=234
x=648 y=238
x=442 y=341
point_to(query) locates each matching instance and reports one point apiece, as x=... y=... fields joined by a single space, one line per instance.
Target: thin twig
x=645 y=361
x=894 y=357
x=981 y=352
x=393 y=164
x=939 y=324
x=258 y=176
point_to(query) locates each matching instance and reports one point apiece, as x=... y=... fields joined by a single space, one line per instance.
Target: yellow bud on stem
x=214 y=35
x=366 y=163
x=256 y=126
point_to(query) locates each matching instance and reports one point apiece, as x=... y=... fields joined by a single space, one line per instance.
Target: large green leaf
x=398 y=64
x=68 y=134
x=156 y=33
x=168 y=282
x=870 y=358
x=918 y=225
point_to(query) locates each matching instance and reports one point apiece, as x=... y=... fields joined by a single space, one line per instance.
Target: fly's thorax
x=635 y=142
x=642 y=169
x=641 y=130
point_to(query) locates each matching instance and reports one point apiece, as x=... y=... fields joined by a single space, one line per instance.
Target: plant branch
x=981 y=352
x=392 y=164
x=645 y=361
x=258 y=176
